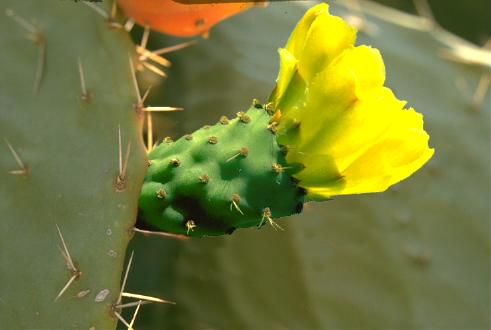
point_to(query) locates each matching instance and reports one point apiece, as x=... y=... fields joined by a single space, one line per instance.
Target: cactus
x=62 y=186
x=340 y=129
x=222 y=177
x=413 y=257
x=379 y=261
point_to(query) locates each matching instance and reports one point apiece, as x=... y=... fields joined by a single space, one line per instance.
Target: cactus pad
x=66 y=138
x=222 y=177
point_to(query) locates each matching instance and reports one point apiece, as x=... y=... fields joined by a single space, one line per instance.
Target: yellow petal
x=327 y=37
x=317 y=39
x=394 y=157
x=353 y=135
x=296 y=41
x=338 y=96
x=319 y=171
x=288 y=67
x=346 y=132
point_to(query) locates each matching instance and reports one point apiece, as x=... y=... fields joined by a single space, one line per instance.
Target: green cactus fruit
x=222 y=177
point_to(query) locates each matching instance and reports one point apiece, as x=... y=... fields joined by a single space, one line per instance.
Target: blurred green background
x=416 y=256
x=468 y=19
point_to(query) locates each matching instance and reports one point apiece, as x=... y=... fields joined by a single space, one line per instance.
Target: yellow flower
x=350 y=133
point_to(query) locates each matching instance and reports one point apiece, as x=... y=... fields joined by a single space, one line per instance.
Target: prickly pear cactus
x=220 y=178
x=62 y=187
x=413 y=257
x=340 y=129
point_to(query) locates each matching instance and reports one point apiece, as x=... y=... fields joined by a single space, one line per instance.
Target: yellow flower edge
x=348 y=131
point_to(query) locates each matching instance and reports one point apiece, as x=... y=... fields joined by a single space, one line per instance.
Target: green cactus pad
x=222 y=177
x=67 y=140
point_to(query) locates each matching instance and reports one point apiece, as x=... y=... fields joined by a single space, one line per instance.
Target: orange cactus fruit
x=178 y=19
